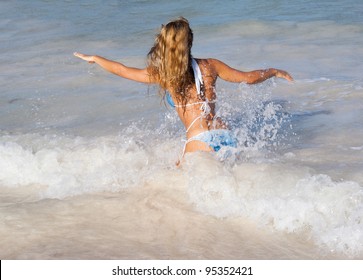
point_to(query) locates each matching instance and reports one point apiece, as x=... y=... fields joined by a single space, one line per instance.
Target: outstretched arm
x=253 y=77
x=117 y=68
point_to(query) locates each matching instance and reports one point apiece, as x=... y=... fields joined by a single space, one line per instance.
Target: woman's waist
x=204 y=125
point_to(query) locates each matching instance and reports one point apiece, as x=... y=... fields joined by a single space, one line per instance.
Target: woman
x=188 y=84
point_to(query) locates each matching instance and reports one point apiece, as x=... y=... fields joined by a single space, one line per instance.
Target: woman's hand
x=88 y=58
x=117 y=68
x=284 y=75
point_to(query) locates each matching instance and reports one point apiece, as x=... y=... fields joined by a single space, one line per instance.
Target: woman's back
x=198 y=114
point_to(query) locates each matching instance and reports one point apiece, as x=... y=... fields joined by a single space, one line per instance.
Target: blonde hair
x=170 y=60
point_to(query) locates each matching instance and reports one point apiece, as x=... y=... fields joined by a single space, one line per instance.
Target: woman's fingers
x=284 y=75
x=85 y=57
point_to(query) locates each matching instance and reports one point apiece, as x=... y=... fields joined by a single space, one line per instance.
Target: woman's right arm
x=230 y=74
x=117 y=68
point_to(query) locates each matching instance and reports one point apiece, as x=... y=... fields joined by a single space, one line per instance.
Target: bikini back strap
x=197 y=76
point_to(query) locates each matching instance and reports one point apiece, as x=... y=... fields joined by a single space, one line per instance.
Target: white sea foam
x=283 y=197
x=83 y=166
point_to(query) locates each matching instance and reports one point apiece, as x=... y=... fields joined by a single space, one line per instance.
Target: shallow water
x=87 y=160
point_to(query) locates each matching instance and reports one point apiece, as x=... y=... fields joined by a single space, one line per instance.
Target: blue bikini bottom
x=216 y=138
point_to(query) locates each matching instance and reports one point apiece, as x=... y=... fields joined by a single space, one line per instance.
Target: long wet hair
x=170 y=59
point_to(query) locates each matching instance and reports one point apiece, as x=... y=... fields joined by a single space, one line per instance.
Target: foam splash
x=84 y=166
x=258 y=121
x=283 y=197
x=211 y=186
x=66 y=166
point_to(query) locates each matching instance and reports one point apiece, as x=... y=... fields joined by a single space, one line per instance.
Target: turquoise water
x=87 y=160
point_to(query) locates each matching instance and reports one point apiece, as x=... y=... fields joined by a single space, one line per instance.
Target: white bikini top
x=197 y=76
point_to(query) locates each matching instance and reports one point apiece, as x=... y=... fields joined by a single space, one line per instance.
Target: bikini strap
x=197 y=76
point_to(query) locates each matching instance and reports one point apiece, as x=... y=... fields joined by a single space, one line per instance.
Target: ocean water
x=87 y=159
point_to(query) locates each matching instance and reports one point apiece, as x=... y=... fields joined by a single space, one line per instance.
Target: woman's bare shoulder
x=208 y=61
x=209 y=65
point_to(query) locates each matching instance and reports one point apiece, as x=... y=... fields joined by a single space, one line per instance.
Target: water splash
x=283 y=197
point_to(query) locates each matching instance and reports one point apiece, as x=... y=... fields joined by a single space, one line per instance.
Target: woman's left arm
x=117 y=68
x=230 y=74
